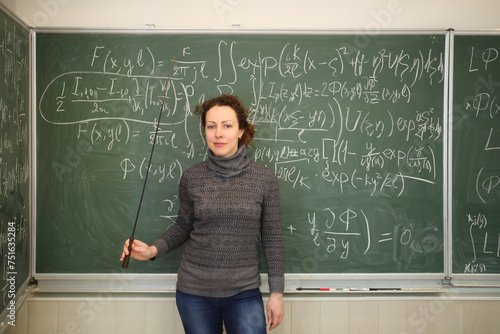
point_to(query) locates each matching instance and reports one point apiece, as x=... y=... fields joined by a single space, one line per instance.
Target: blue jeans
x=241 y=314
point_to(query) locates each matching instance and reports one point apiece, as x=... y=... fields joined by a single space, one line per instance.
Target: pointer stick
x=131 y=239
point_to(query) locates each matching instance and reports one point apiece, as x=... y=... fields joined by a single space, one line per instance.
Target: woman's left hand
x=275 y=310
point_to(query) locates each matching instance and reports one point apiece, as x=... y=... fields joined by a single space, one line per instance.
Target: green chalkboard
x=352 y=126
x=476 y=155
x=14 y=162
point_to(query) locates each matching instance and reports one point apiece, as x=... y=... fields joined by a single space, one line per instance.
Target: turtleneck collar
x=228 y=167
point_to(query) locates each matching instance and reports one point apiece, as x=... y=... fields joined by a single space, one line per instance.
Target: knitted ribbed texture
x=226 y=205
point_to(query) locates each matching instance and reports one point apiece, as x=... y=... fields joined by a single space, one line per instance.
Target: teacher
x=227 y=203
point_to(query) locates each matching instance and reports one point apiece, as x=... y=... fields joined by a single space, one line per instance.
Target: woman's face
x=222 y=131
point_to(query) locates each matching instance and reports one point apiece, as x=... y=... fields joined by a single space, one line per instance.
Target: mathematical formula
x=14 y=161
x=330 y=120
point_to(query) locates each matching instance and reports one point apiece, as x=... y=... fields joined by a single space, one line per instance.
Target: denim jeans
x=241 y=314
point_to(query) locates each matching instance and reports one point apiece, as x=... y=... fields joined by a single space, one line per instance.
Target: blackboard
x=14 y=163
x=476 y=155
x=352 y=126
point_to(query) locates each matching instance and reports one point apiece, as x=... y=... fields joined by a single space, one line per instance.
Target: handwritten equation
x=308 y=105
x=338 y=231
x=14 y=158
x=483 y=243
x=331 y=119
x=477 y=132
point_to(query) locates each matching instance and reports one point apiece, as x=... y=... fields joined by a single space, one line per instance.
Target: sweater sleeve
x=179 y=232
x=272 y=241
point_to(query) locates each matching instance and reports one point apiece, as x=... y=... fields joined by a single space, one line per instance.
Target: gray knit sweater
x=226 y=204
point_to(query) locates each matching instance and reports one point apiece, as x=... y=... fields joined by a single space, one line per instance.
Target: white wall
x=366 y=15
x=108 y=314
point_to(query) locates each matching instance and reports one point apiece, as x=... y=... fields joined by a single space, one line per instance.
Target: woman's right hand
x=140 y=250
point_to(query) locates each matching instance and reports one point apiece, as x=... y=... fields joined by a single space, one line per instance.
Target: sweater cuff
x=276 y=284
x=161 y=247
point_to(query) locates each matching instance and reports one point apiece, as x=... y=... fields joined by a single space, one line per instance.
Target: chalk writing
x=482 y=242
x=14 y=162
x=129 y=90
x=330 y=121
x=476 y=151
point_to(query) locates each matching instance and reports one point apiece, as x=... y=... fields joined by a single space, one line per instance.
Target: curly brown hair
x=241 y=114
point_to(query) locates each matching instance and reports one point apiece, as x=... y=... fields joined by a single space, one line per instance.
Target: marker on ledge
x=348 y=289
x=323 y=289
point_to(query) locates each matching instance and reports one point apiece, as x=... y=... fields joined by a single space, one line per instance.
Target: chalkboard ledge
x=115 y=282
x=125 y=282
x=471 y=280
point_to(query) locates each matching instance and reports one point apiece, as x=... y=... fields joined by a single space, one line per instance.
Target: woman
x=226 y=204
